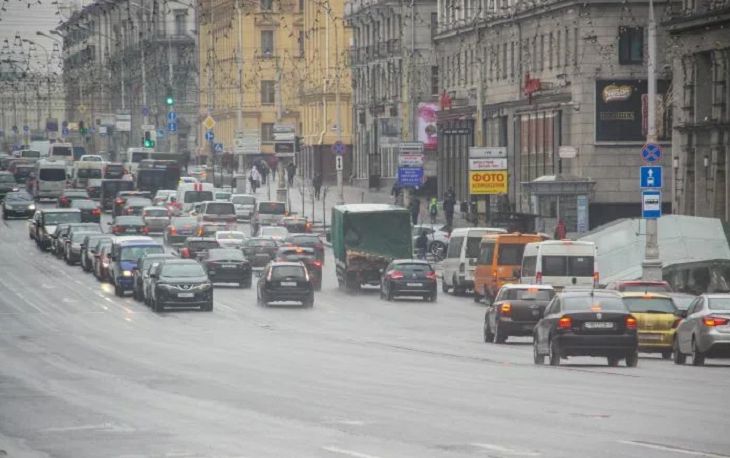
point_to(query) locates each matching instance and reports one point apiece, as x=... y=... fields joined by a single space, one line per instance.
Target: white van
x=84 y=171
x=50 y=178
x=135 y=156
x=560 y=263
x=188 y=194
x=461 y=257
x=61 y=151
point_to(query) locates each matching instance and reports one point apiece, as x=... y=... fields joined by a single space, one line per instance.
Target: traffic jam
x=170 y=240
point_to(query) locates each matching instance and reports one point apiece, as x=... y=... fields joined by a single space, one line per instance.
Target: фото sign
x=621 y=111
x=488 y=182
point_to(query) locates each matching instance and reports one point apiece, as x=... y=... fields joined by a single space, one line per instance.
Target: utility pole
x=171 y=84
x=282 y=190
x=239 y=62
x=338 y=113
x=652 y=265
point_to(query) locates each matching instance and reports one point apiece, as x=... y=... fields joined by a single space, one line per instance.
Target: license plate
x=598 y=325
x=414 y=284
x=288 y=283
x=229 y=266
x=650 y=336
x=186 y=295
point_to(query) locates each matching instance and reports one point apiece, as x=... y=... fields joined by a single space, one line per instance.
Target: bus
x=50 y=179
x=134 y=156
x=155 y=174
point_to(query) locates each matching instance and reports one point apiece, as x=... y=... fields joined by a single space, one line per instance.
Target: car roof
x=154 y=207
x=716 y=295
x=632 y=294
x=527 y=286
x=200 y=239
x=122 y=239
x=60 y=210
x=409 y=261
x=590 y=292
x=285 y=263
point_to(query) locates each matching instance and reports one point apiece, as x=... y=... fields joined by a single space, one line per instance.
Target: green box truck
x=365 y=238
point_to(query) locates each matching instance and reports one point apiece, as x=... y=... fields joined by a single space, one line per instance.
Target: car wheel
x=632 y=359
x=679 y=357
x=666 y=355
x=499 y=336
x=488 y=334
x=438 y=249
x=698 y=358
x=554 y=354
x=118 y=291
x=207 y=307
x=613 y=361
x=537 y=358
x=433 y=296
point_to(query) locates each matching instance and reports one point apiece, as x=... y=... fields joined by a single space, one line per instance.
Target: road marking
x=667 y=448
x=100 y=427
x=505 y=450
x=346 y=452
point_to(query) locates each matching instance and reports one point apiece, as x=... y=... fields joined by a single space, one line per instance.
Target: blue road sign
x=172 y=126
x=218 y=147
x=145 y=111
x=65 y=132
x=209 y=135
x=26 y=129
x=651 y=152
x=410 y=177
x=650 y=176
x=338 y=148
x=651 y=204
x=171 y=116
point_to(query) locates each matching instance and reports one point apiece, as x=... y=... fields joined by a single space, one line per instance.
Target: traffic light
x=169 y=100
x=148 y=141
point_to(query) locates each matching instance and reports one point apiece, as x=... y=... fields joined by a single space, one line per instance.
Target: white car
x=230 y=239
x=188 y=180
x=438 y=238
x=91 y=158
x=273 y=232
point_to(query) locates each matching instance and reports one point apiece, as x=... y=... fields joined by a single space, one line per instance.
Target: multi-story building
x=535 y=78
x=327 y=90
x=393 y=80
x=701 y=136
x=265 y=38
x=129 y=57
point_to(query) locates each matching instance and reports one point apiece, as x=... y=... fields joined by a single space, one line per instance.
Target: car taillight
x=130 y=211
x=96 y=212
x=396 y=274
x=146 y=230
x=565 y=322
x=119 y=201
x=64 y=200
x=185 y=253
x=538 y=278
x=173 y=230
x=596 y=277
x=431 y=275
x=711 y=321
x=675 y=325
x=630 y=322
x=317 y=263
x=506 y=309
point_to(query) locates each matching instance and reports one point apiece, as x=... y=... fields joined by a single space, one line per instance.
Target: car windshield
x=567 y=266
x=719 y=303
x=304 y=240
x=243 y=200
x=510 y=254
x=7 y=178
x=272 y=208
x=133 y=253
x=139 y=157
x=189 y=221
x=129 y=221
x=279 y=272
x=230 y=236
x=62 y=217
x=591 y=302
x=269 y=231
x=89 y=173
x=528 y=294
x=62 y=151
x=650 y=305
x=182 y=270
x=18 y=196
x=198 y=196
x=52 y=175
x=220 y=209
x=228 y=255
x=30 y=153
x=157 y=212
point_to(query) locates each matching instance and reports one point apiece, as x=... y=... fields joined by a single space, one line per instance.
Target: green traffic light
x=170 y=101
x=149 y=143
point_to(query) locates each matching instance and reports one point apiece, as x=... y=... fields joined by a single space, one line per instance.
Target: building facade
x=266 y=36
x=701 y=135
x=534 y=79
x=326 y=95
x=394 y=83
x=126 y=58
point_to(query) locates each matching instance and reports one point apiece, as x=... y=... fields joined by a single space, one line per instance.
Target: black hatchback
x=408 y=277
x=285 y=282
x=227 y=265
x=260 y=250
x=586 y=323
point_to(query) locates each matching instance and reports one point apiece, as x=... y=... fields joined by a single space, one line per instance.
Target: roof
x=526 y=286
x=285 y=263
x=126 y=239
x=590 y=292
x=368 y=208
x=491 y=230
x=60 y=210
x=648 y=294
x=411 y=261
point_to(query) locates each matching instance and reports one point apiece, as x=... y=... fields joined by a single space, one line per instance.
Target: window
x=267 y=42
x=268 y=92
x=630 y=45
x=434 y=80
x=529 y=265
x=301 y=44
x=487 y=254
x=510 y=255
x=181 y=17
x=434 y=24
x=301 y=6
x=267 y=132
x=570 y=266
x=454 y=250
x=267 y=5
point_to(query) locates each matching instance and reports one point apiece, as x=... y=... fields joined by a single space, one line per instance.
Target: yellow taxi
x=657 y=319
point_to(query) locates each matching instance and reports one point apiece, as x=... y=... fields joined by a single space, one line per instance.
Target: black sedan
x=18 y=204
x=180 y=283
x=515 y=311
x=131 y=224
x=285 y=282
x=408 y=277
x=228 y=265
x=586 y=323
x=90 y=210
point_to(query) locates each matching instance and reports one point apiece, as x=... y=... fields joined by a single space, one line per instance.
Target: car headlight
x=31 y=207
x=127 y=273
x=204 y=286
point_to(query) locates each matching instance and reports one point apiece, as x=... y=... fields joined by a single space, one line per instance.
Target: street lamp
x=48 y=65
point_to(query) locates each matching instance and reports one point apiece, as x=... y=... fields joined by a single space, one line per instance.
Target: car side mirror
x=682 y=313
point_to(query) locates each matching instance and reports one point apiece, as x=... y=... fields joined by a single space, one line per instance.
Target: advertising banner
x=621 y=111
x=427 y=131
x=488 y=182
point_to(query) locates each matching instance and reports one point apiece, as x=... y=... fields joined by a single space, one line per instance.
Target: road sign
x=410 y=160
x=26 y=129
x=123 y=122
x=650 y=176
x=488 y=182
x=410 y=148
x=247 y=142
x=651 y=204
x=218 y=148
x=338 y=148
x=209 y=135
x=160 y=133
x=284 y=148
x=498 y=163
x=65 y=131
x=172 y=126
x=651 y=152
x=338 y=163
x=149 y=127
x=410 y=177
x=209 y=122
x=567 y=152
x=284 y=132
x=171 y=116
x=476 y=152
x=145 y=111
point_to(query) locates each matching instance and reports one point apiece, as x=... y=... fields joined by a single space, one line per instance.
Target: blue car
x=125 y=252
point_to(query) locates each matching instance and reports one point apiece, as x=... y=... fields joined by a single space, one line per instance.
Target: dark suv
x=180 y=283
x=285 y=282
x=228 y=265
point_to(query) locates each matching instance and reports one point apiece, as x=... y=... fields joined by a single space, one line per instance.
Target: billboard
x=483 y=182
x=427 y=131
x=621 y=111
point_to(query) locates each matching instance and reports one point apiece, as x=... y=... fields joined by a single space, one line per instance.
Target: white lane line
x=342 y=451
x=100 y=427
x=505 y=450
x=667 y=448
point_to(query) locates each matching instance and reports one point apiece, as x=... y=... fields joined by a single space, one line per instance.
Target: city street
x=86 y=374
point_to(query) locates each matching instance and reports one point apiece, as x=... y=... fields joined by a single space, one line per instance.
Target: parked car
x=306 y=256
x=586 y=323
x=121 y=200
x=285 y=282
x=90 y=210
x=438 y=238
x=90 y=247
x=156 y=218
x=72 y=248
x=515 y=311
x=227 y=265
x=705 y=332
x=42 y=227
x=657 y=318
x=102 y=259
x=409 y=277
x=125 y=253
x=216 y=212
x=180 y=283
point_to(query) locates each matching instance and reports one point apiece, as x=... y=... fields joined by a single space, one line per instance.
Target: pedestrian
x=317 y=184
x=414 y=206
x=433 y=210
x=263 y=171
x=421 y=245
x=291 y=170
x=395 y=191
x=449 y=205
x=254 y=178
x=560 y=230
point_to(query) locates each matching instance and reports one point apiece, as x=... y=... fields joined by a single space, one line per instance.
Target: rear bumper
x=715 y=343
x=220 y=276
x=402 y=288
x=516 y=328
x=281 y=295
x=656 y=341
x=596 y=345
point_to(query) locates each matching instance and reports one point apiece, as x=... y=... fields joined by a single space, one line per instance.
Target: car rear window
x=192 y=197
x=182 y=270
x=272 y=208
x=159 y=212
x=472 y=246
x=177 y=222
x=52 y=174
x=414 y=268
x=567 y=266
x=279 y=272
x=229 y=255
x=203 y=245
x=511 y=255
x=588 y=303
x=129 y=221
x=85 y=204
x=62 y=217
x=529 y=294
x=262 y=243
x=220 y=209
x=77 y=237
x=61 y=151
x=243 y=200
x=650 y=304
x=89 y=173
x=304 y=239
x=719 y=303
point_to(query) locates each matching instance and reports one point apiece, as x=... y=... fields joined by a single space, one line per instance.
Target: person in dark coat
x=291 y=170
x=317 y=184
x=422 y=245
x=449 y=205
x=414 y=206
